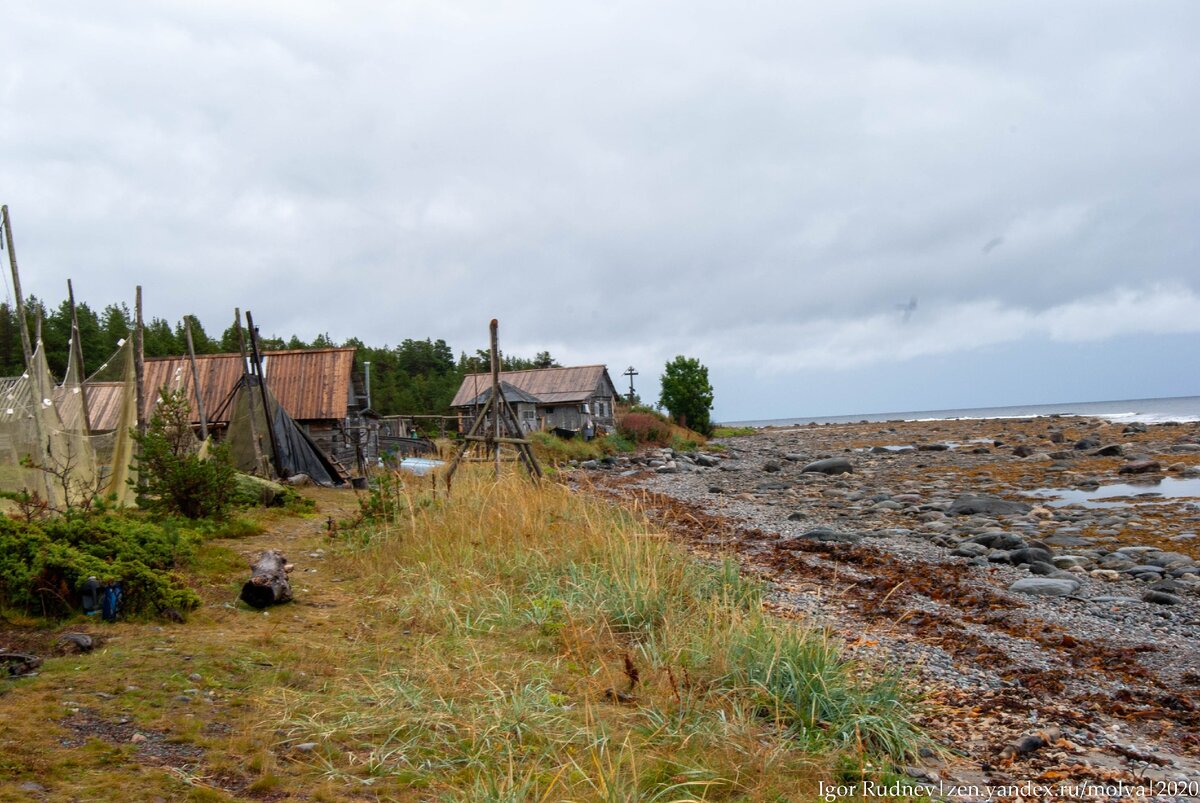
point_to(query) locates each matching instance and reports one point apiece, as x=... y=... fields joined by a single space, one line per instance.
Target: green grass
x=554 y=450
x=733 y=432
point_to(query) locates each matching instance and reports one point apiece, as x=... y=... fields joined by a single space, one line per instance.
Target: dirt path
x=162 y=711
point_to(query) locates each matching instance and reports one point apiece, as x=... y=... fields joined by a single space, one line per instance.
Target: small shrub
x=175 y=480
x=43 y=565
x=645 y=427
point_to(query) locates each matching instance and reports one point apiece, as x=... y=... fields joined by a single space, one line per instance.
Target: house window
x=527 y=414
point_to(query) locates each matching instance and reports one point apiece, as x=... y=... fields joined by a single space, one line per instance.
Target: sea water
x=1151 y=490
x=1146 y=411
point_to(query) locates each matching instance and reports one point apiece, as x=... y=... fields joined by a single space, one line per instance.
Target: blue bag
x=110 y=602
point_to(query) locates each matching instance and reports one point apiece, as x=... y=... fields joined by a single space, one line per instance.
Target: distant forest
x=417 y=377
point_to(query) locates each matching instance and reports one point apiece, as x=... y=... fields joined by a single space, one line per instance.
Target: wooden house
x=523 y=405
x=318 y=388
x=571 y=400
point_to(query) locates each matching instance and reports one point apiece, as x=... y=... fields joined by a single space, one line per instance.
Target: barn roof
x=309 y=384
x=548 y=385
x=509 y=393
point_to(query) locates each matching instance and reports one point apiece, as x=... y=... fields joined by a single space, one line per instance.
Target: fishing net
x=253 y=443
x=112 y=407
x=249 y=448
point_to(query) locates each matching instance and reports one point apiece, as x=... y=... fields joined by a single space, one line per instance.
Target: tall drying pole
x=256 y=356
x=77 y=354
x=187 y=331
x=258 y=455
x=495 y=353
x=12 y=261
x=26 y=347
x=139 y=362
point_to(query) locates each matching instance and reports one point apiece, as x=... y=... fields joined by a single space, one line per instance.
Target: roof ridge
x=530 y=370
x=234 y=355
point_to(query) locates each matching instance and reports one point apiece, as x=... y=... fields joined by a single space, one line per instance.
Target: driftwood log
x=19 y=663
x=268 y=583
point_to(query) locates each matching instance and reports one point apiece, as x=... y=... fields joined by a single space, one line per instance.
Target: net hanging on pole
x=60 y=449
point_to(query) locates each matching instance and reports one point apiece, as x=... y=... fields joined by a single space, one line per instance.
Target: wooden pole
x=26 y=347
x=477 y=425
x=139 y=361
x=495 y=353
x=241 y=338
x=77 y=349
x=256 y=358
x=487 y=431
x=16 y=276
x=187 y=332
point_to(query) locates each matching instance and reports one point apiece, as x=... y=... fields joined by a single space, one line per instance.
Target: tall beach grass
x=522 y=642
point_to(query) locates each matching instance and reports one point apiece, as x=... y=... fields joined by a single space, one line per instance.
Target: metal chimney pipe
x=367 y=369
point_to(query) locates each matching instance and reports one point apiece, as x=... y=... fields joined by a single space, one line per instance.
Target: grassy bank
x=510 y=643
x=534 y=644
x=733 y=432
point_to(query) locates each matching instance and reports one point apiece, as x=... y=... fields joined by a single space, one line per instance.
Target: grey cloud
x=619 y=180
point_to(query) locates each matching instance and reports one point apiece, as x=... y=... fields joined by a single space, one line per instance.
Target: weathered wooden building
x=523 y=405
x=573 y=399
x=318 y=388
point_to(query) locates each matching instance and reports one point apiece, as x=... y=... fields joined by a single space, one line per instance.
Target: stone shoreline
x=922 y=544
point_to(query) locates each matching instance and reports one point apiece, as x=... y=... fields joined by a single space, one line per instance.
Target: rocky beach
x=1037 y=579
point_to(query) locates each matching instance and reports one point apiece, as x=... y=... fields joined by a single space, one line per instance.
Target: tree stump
x=268 y=583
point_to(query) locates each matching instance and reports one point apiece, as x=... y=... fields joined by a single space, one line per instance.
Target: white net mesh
x=112 y=405
x=54 y=452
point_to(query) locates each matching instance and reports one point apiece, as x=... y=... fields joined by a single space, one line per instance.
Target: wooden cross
x=629 y=372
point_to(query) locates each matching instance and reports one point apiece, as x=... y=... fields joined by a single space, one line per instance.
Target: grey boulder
x=831 y=465
x=971 y=504
x=1045 y=586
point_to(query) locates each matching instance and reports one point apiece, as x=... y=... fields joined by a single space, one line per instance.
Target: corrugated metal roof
x=549 y=385
x=310 y=384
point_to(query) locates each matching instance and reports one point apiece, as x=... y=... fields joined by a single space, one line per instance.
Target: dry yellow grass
x=509 y=643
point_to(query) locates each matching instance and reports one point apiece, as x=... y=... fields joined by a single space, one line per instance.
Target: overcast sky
x=759 y=185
